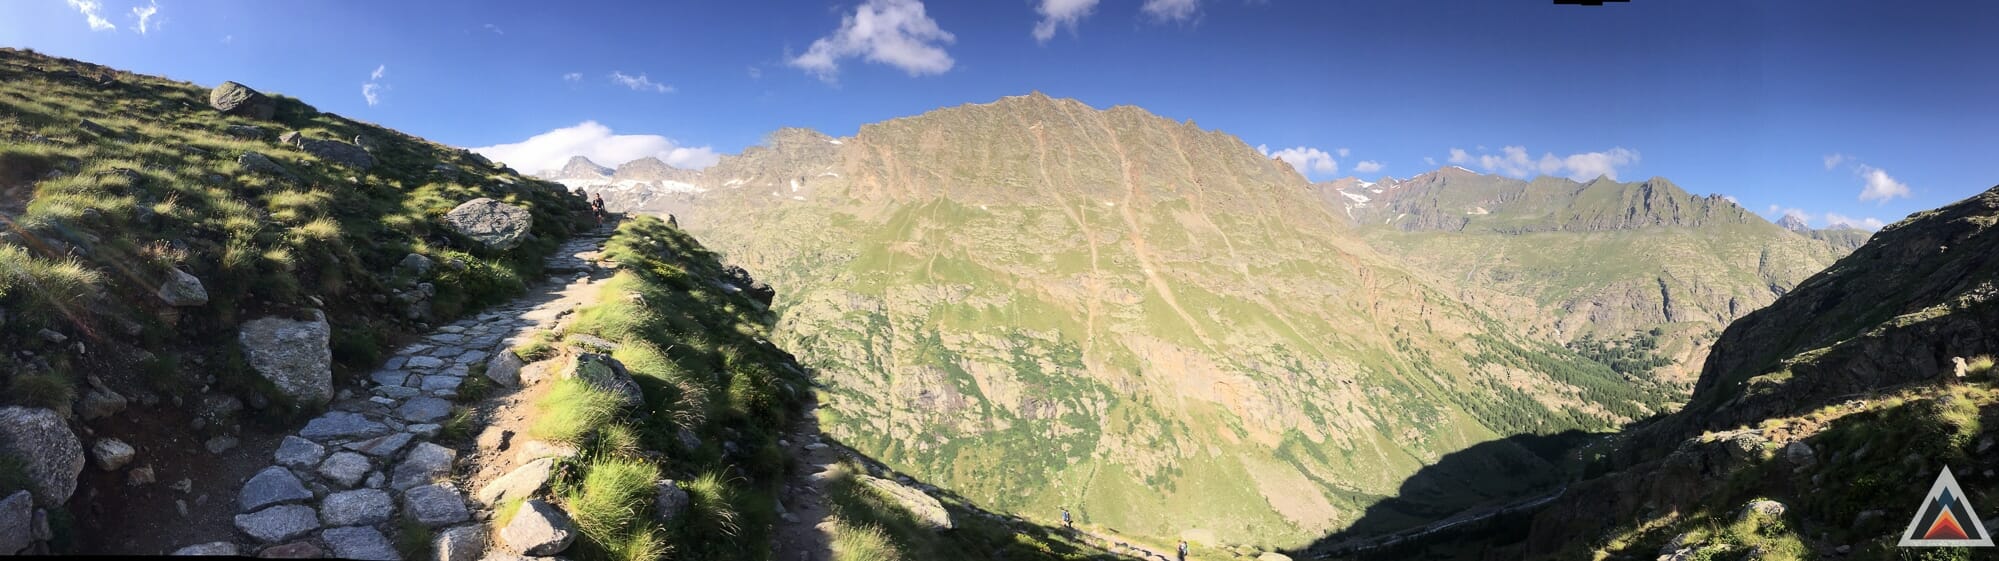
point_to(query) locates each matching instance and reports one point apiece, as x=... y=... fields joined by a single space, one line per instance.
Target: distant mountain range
x=1042 y=304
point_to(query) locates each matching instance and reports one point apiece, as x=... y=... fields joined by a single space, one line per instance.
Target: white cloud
x=549 y=150
x=573 y=77
x=639 y=82
x=1060 y=13
x=1429 y=160
x=1171 y=10
x=1584 y=166
x=1833 y=160
x=495 y=29
x=1732 y=199
x=1369 y=166
x=90 y=10
x=1343 y=152
x=373 y=88
x=893 y=32
x=1880 y=185
x=1834 y=219
x=1306 y=159
x=145 y=15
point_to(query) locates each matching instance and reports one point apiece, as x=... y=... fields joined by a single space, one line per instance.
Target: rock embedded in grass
x=494 y=224
x=182 y=290
x=236 y=99
x=52 y=455
x=538 y=529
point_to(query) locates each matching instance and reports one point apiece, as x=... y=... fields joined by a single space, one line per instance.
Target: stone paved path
x=341 y=484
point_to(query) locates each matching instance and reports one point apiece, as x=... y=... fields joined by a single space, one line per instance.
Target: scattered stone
x=604 y=373
x=290 y=138
x=687 y=439
x=100 y=403
x=296 y=550
x=1765 y=507
x=416 y=264
x=360 y=543
x=382 y=447
x=462 y=543
x=278 y=523
x=182 y=290
x=345 y=468
x=220 y=444
x=521 y=483
x=505 y=368
x=51 y=336
x=51 y=454
x=210 y=549
x=669 y=500
x=237 y=99
x=271 y=486
x=1800 y=454
x=434 y=505
x=293 y=355
x=495 y=225
x=338 y=152
x=254 y=162
x=925 y=508
x=539 y=529
x=425 y=463
x=342 y=424
x=17 y=521
x=112 y=454
x=140 y=476
x=357 y=507
x=185 y=485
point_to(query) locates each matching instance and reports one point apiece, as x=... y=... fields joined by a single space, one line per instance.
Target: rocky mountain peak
x=1793 y=223
x=580 y=167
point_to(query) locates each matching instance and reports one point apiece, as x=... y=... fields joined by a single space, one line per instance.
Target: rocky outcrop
x=494 y=224
x=293 y=354
x=337 y=152
x=604 y=373
x=49 y=452
x=236 y=99
x=925 y=508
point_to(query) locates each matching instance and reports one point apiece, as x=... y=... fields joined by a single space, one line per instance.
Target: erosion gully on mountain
x=340 y=485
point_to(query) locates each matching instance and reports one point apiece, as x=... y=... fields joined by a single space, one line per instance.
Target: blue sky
x=1836 y=109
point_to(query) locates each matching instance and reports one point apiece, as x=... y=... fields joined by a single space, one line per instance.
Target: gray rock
x=687 y=439
x=237 y=99
x=440 y=383
x=293 y=355
x=426 y=462
x=338 y=152
x=669 y=500
x=495 y=225
x=278 y=523
x=51 y=453
x=271 y=486
x=424 y=362
x=389 y=377
x=221 y=444
x=521 y=483
x=290 y=138
x=260 y=164
x=382 y=447
x=111 y=453
x=360 y=543
x=357 y=507
x=425 y=430
x=142 y=475
x=182 y=290
x=1766 y=507
x=210 y=549
x=535 y=449
x=435 y=505
x=505 y=368
x=926 y=509
x=17 y=522
x=96 y=129
x=98 y=404
x=424 y=410
x=539 y=529
x=345 y=468
x=398 y=392
x=342 y=424
x=245 y=132
x=604 y=373
x=1800 y=454
x=416 y=264
x=461 y=543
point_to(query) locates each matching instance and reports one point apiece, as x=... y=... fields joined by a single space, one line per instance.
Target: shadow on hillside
x=1489 y=489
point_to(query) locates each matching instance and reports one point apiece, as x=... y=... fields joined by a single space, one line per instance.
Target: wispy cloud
x=549 y=150
x=639 y=82
x=1056 y=14
x=1429 y=161
x=1171 y=10
x=756 y=73
x=1307 y=160
x=1833 y=160
x=1583 y=166
x=1879 y=185
x=1368 y=166
x=573 y=77
x=893 y=32
x=145 y=14
x=92 y=14
x=495 y=29
x=373 y=88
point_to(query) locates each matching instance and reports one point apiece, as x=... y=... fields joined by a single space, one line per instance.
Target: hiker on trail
x=1065 y=519
x=597 y=206
x=1183 y=550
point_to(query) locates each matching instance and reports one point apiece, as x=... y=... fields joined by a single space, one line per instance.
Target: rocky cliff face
x=1040 y=303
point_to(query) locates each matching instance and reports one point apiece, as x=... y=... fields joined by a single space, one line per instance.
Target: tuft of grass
x=412 y=538
x=539 y=347
x=459 y=425
x=52 y=390
x=46 y=289
x=1978 y=365
x=612 y=506
x=862 y=542
x=572 y=410
x=504 y=512
x=476 y=385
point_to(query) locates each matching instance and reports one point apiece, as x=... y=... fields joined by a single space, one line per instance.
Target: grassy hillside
x=1041 y=304
x=109 y=181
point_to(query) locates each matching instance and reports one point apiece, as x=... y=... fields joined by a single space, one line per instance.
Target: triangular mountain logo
x=1945 y=518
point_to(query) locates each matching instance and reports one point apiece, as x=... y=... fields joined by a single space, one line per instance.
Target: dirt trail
x=804 y=532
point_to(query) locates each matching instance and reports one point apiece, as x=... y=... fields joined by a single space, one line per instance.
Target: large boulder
x=254 y=162
x=494 y=224
x=17 y=518
x=925 y=508
x=237 y=99
x=294 y=355
x=604 y=373
x=182 y=290
x=669 y=500
x=338 y=152
x=539 y=529
x=51 y=454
